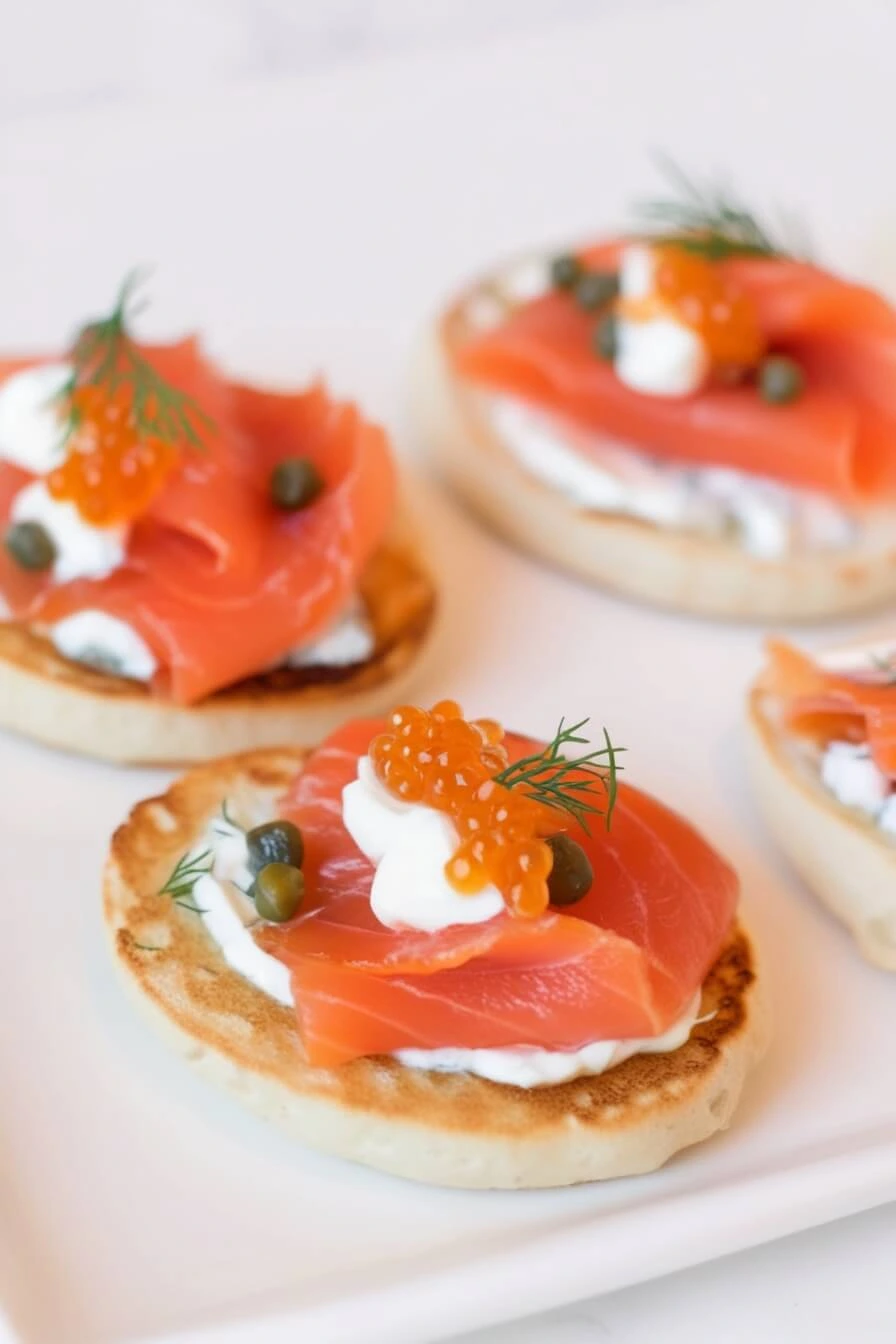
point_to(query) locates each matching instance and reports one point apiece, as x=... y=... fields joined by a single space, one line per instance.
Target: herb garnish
x=187 y=872
x=568 y=783
x=104 y=356
x=708 y=219
x=886 y=664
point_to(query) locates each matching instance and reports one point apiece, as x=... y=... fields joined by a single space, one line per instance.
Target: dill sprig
x=569 y=783
x=886 y=664
x=186 y=873
x=708 y=219
x=227 y=820
x=105 y=356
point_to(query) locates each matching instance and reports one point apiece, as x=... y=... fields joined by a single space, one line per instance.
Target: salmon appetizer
x=458 y=954
x=191 y=564
x=823 y=754
x=689 y=414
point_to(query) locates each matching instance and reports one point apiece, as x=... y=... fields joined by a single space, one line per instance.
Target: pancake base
x=445 y=1129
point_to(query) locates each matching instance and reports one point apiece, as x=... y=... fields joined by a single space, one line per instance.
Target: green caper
x=565 y=271
x=604 y=339
x=571 y=875
x=781 y=380
x=295 y=483
x=30 y=545
x=275 y=842
x=596 y=289
x=278 y=891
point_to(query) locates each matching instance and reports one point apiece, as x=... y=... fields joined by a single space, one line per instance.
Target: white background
x=57 y=59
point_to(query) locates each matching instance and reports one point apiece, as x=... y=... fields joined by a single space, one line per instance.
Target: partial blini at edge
x=844 y=858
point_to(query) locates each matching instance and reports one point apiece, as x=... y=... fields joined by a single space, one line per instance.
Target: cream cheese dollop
x=82 y=550
x=409 y=844
x=656 y=355
x=30 y=424
x=104 y=642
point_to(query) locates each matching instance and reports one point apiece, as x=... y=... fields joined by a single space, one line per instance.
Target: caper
x=275 y=842
x=605 y=342
x=571 y=875
x=30 y=545
x=278 y=891
x=781 y=380
x=596 y=289
x=295 y=483
x=565 y=271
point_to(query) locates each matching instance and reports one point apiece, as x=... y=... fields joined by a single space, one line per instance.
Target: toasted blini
x=847 y=860
x=666 y=565
x=446 y=1129
x=69 y=705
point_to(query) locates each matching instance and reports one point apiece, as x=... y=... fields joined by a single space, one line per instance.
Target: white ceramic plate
x=312 y=225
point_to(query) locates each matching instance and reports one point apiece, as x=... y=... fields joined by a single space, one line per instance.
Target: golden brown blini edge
x=445 y=1129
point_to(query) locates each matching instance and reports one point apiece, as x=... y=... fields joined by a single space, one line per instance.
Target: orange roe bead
x=708 y=301
x=449 y=763
x=110 y=473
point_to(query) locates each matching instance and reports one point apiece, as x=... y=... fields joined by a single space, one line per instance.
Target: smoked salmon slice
x=217 y=581
x=626 y=964
x=828 y=706
x=838 y=437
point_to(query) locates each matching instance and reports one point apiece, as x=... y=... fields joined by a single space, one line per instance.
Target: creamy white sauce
x=104 y=642
x=849 y=772
x=82 y=551
x=350 y=639
x=769 y=520
x=30 y=424
x=112 y=645
x=228 y=916
x=527 y=1066
x=410 y=845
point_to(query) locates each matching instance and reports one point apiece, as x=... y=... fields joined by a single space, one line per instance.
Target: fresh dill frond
x=228 y=821
x=228 y=818
x=885 y=663
x=186 y=873
x=569 y=783
x=105 y=356
x=709 y=219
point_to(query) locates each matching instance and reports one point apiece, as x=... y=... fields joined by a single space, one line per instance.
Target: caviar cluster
x=111 y=471
x=706 y=299
x=440 y=759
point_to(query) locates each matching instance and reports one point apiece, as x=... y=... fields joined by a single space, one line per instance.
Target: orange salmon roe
x=439 y=758
x=110 y=473
x=711 y=304
x=705 y=299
